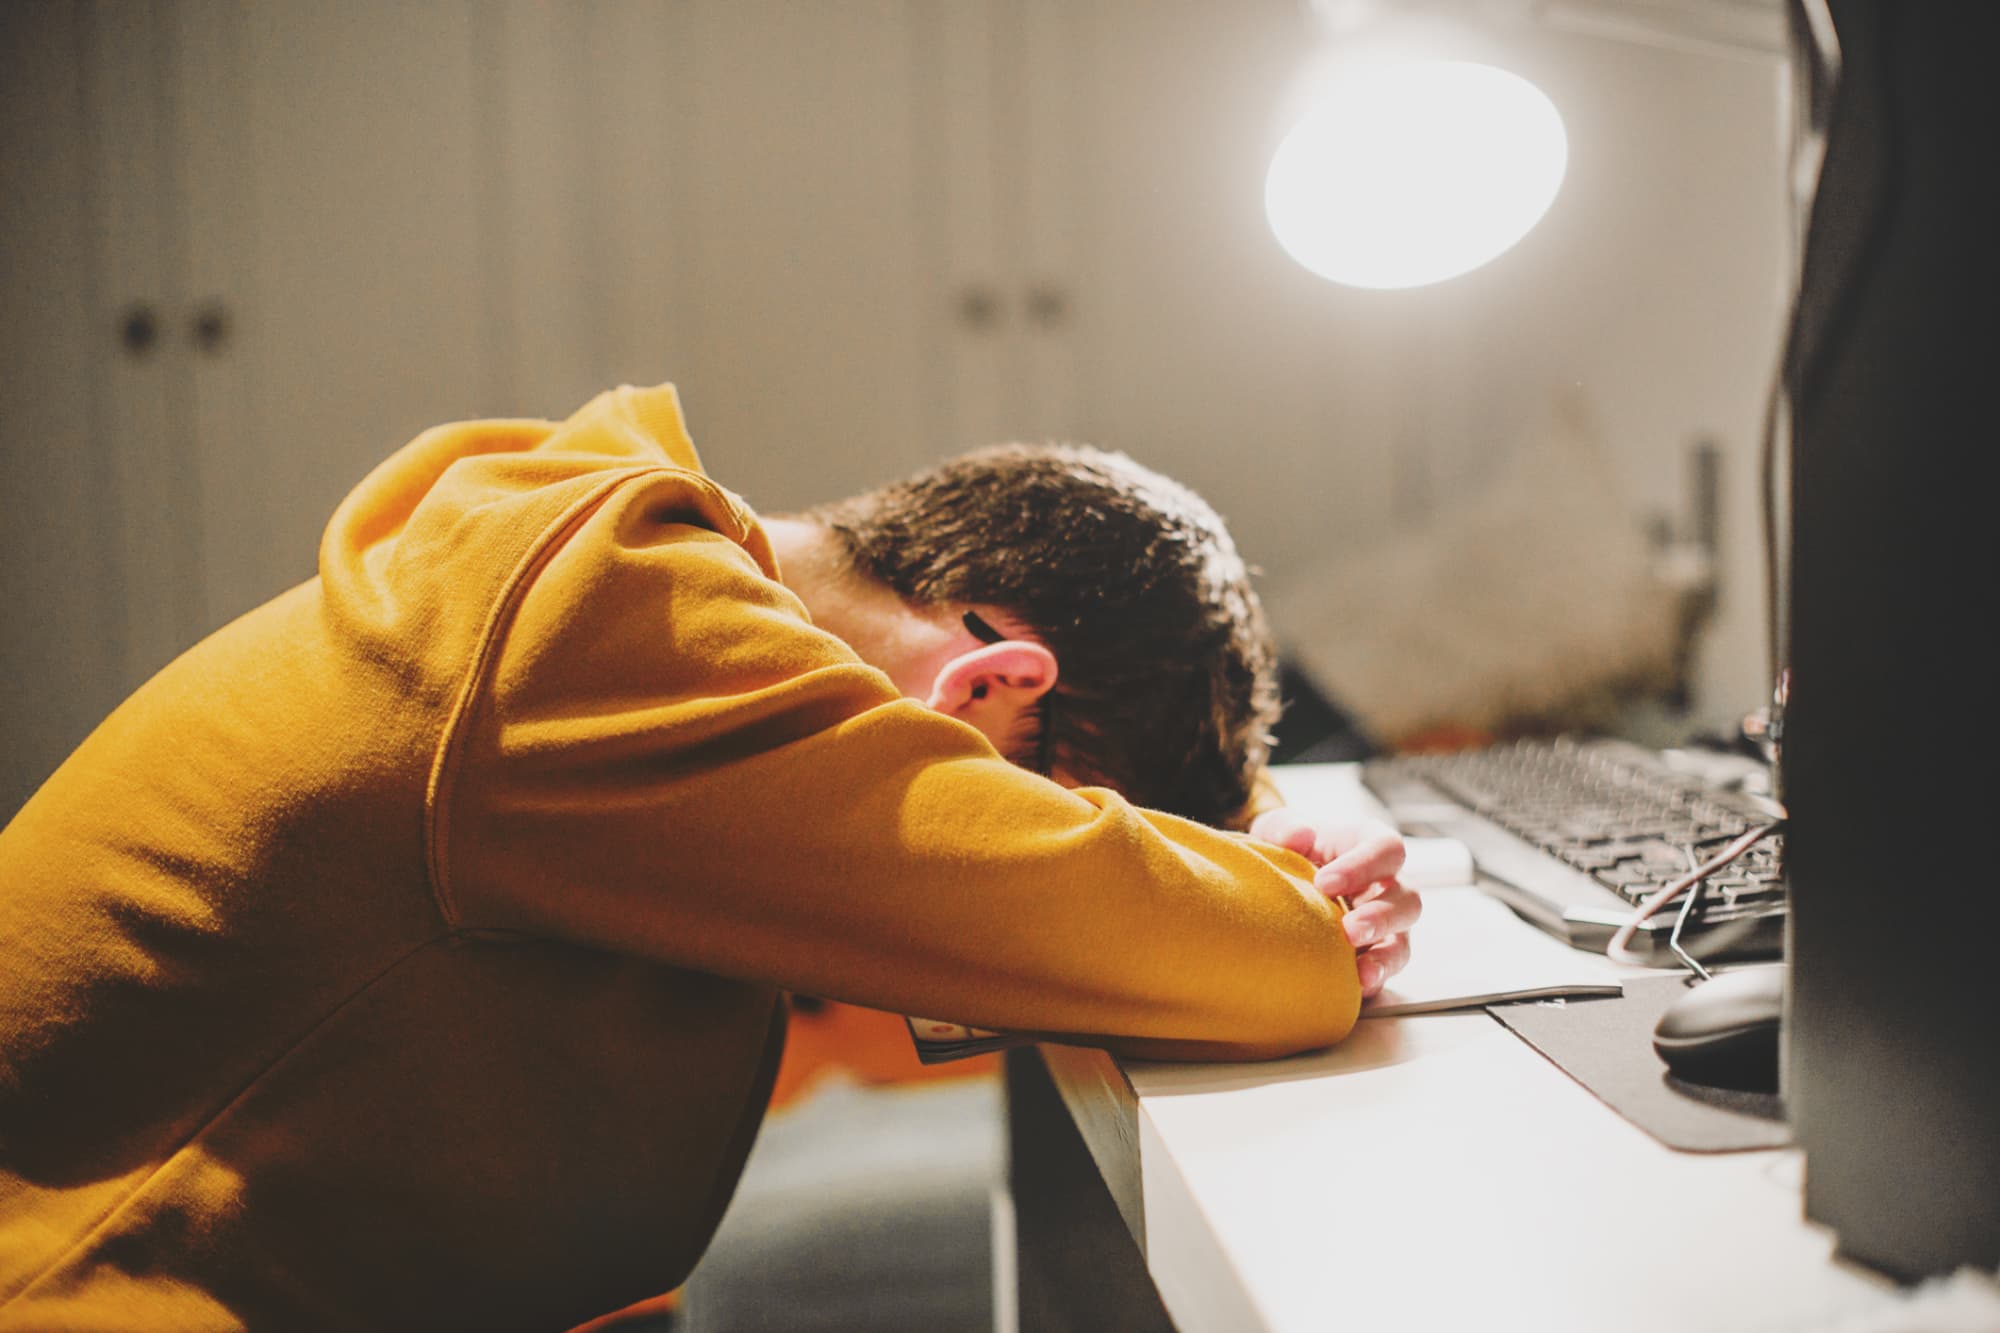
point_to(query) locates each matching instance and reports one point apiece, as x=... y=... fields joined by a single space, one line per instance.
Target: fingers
x=1388 y=908
x=1357 y=852
x=1365 y=855
x=1382 y=962
x=1285 y=828
x=1378 y=926
x=1358 y=863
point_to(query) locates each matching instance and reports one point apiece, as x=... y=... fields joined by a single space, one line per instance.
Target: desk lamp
x=1408 y=172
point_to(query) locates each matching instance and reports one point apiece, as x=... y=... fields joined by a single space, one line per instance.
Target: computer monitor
x=1892 y=1036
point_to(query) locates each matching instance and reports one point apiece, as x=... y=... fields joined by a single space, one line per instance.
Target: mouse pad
x=1607 y=1045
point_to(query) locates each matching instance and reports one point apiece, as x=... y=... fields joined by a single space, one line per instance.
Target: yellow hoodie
x=407 y=954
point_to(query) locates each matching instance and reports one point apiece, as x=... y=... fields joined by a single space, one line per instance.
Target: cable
x=1619 y=950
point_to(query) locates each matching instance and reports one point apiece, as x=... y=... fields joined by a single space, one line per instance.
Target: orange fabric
x=651 y=1307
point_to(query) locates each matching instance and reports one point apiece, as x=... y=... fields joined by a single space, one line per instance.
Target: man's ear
x=993 y=684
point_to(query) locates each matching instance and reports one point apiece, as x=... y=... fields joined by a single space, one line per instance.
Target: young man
x=409 y=953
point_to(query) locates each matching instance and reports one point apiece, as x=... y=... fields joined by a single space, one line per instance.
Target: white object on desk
x=1467 y=950
x=1436 y=863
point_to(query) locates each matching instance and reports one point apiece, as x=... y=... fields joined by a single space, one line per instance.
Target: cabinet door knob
x=139 y=329
x=979 y=307
x=210 y=327
x=1048 y=305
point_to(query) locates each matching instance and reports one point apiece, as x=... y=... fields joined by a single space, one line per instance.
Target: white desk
x=1431 y=1172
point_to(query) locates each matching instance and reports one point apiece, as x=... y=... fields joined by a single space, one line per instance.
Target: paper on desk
x=1469 y=950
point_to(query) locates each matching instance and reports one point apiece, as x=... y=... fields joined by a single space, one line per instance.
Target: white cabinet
x=336 y=197
x=1001 y=99
x=790 y=207
x=839 y=227
x=62 y=631
x=247 y=254
x=250 y=249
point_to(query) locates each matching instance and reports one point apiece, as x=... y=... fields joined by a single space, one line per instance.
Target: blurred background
x=250 y=249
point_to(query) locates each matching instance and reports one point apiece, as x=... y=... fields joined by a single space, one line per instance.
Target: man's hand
x=1359 y=863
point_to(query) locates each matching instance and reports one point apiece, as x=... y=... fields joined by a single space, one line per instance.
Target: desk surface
x=1435 y=1172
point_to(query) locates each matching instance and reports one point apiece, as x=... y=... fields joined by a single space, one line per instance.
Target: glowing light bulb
x=1408 y=174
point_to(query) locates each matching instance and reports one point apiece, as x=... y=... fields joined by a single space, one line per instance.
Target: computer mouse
x=1724 y=1031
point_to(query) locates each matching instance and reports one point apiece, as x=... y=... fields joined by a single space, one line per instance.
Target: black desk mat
x=1607 y=1045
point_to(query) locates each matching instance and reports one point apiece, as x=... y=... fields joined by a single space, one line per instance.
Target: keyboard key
x=1660 y=852
x=1623 y=875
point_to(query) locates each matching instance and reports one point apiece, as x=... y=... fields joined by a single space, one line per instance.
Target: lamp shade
x=1407 y=174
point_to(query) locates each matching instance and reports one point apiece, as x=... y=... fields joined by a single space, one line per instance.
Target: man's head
x=1166 y=686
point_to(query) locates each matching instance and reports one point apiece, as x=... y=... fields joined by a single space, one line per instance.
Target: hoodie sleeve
x=657 y=753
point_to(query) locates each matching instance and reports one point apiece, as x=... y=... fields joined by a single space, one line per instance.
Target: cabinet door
x=62 y=630
x=338 y=166
x=971 y=159
x=248 y=248
x=141 y=372
x=1047 y=107
x=101 y=567
x=1000 y=84
x=805 y=239
x=730 y=196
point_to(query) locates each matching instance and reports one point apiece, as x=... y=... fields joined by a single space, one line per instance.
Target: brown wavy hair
x=1167 y=685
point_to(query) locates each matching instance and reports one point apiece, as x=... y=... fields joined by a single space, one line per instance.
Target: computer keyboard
x=1555 y=824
